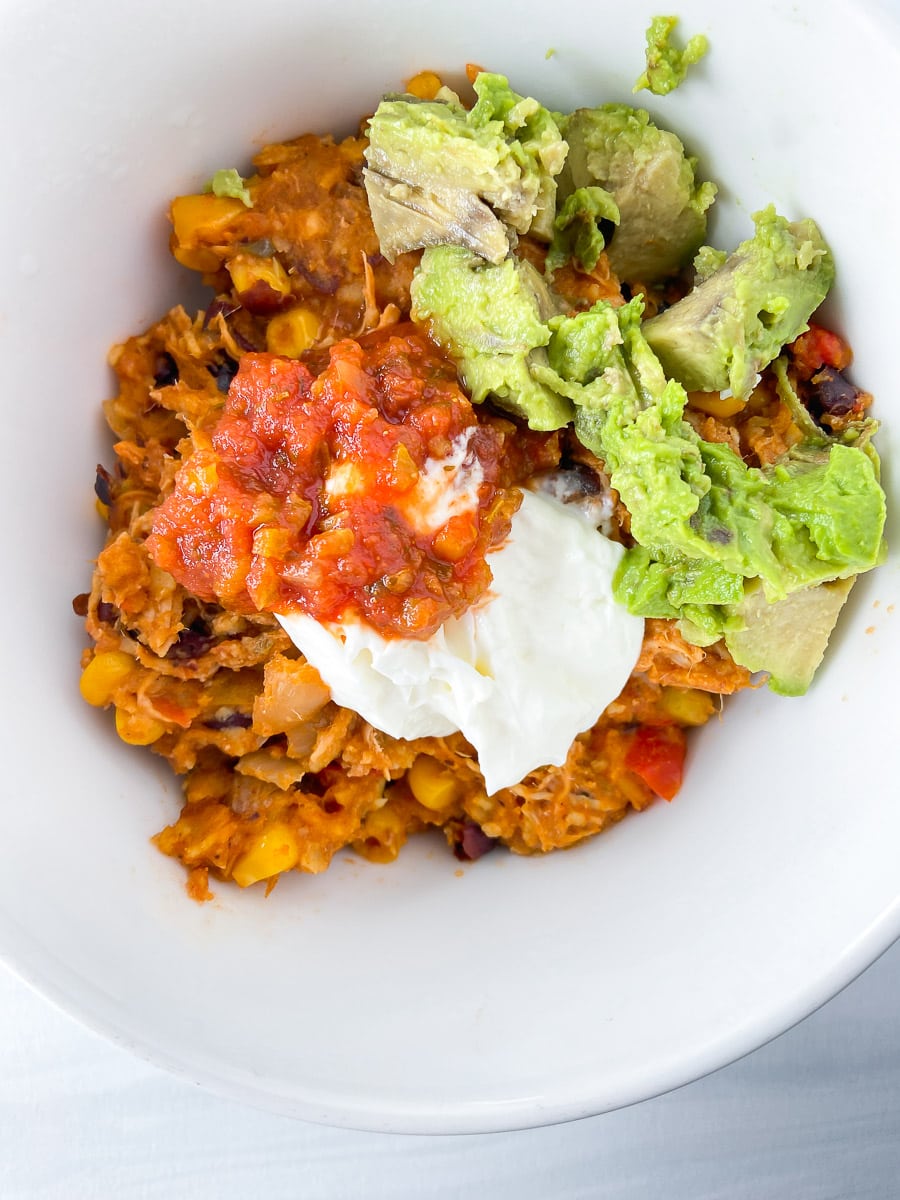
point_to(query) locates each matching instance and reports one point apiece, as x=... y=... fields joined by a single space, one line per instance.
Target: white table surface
x=815 y=1115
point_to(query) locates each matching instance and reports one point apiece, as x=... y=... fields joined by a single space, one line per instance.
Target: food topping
x=666 y=64
x=660 y=203
x=439 y=175
x=370 y=489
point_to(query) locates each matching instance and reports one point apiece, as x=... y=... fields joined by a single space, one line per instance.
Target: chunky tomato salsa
x=370 y=488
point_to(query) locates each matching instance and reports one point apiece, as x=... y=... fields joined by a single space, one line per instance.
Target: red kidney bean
x=472 y=842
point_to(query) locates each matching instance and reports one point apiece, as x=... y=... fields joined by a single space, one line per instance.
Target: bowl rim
x=474 y=1117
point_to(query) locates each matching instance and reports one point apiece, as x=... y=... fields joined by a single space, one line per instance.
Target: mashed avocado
x=666 y=64
x=228 y=182
x=492 y=320
x=704 y=521
x=577 y=235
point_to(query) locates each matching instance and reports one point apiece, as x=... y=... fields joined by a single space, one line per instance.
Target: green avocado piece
x=662 y=207
x=406 y=217
x=437 y=174
x=576 y=229
x=535 y=140
x=735 y=322
x=667 y=66
x=788 y=639
x=707 y=261
x=229 y=182
x=492 y=320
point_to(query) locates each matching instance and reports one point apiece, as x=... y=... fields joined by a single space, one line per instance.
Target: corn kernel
x=195 y=259
x=273 y=850
x=292 y=332
x=246 y=270
x=203 y=220
x=425 y=85
x=384 y=834
x=715 y=405
x=103 y=675
x=688 y=706
x=137 y=729
x=433 y=785
x=102 y=509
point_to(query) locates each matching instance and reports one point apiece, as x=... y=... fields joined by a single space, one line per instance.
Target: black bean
x=832 y=393
x=228 y=718
x=584 y=481
x=107 y=612
x=191 y=644
x=223 y=372
x=165 y=370
x=326 y=284
x=244 y=342
x=102 y=484
x=80 y=604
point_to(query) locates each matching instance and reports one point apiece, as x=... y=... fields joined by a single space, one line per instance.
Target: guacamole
x=667 y=66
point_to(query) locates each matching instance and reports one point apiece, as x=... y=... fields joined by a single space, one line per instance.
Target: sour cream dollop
x=520 y=674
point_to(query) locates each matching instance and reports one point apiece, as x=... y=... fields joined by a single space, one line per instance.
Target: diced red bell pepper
x=819 y=348
x=656 y=755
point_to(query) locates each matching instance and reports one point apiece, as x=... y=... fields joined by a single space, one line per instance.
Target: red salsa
x=371 y=489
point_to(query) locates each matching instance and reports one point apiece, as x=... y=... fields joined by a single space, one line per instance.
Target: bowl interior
x=420 y=996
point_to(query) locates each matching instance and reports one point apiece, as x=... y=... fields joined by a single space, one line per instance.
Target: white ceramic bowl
x=405 y=997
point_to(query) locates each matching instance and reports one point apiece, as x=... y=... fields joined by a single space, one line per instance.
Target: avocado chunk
x=667 y=66
x=662 y=207
x=406 y=216
x=576 y=230
x=788 y=639
x=437 y=174
x=735 y=322
x=492 y=321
